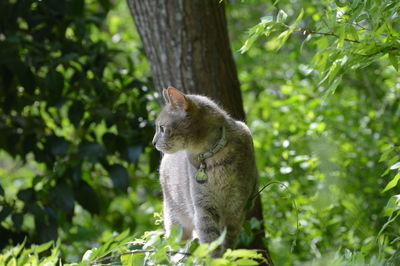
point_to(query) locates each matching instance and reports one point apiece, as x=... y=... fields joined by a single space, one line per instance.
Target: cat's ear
x=165 y=95
x=177 y=99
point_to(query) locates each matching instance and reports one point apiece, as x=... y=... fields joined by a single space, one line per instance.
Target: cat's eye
x=162 y=129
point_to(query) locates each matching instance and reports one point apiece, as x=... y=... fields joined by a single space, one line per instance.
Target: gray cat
x=208 y=171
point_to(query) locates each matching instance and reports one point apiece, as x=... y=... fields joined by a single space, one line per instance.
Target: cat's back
x=243 y=130
x=241 y=137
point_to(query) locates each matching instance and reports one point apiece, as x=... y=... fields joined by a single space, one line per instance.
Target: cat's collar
x=201 y=176
x=217 y=147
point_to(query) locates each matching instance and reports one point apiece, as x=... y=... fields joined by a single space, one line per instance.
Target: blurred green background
x=78 y=105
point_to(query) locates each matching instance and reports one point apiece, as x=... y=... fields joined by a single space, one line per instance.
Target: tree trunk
x=188 y=48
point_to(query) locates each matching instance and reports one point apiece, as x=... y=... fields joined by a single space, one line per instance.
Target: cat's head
x=174 y=123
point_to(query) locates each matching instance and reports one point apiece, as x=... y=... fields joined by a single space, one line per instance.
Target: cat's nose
x=154 y=141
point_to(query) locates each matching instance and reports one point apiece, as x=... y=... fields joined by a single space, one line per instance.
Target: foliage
x=154 y=249
x=346 y=35
x=22 y=255
x=334 y=152
x=151 y=249
x=74 y=122
x=321 y=88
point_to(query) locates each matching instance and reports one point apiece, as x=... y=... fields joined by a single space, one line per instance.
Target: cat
x=207 y=172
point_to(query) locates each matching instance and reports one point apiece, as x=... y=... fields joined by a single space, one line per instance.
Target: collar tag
x=201 y=176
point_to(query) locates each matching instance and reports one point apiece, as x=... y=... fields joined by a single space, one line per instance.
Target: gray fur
x=192 y=125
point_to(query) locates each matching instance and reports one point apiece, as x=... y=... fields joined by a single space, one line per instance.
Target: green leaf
x=392 y=162
x=19 y=248
x=12 y=262
x=248 y=43
x=53 y=258
x=202 y=250
x=246 y=262
x=386 y=153
x=332 y=88
x=194 y=244
x=89 y=254
x=43 y=247
x=123 y=236
x=342 y=35
x=281 y=17
x=392 y=182
x=367 y=246
x=255 y=32
x=355 y=3
x=242 y=253
x=220 y=262
x=266 y=19
x=340 y=4
x=104 y=249
x=133 y=259
x=205 y=249
x=352 y=31
x=362 y=17
x=216 y=243
x=282 y=38
x=394 y=61
x=392 y=205
x=395 y=166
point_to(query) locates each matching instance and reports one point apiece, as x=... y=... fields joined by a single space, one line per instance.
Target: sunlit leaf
x=281 y=17
x=392 y=182
x=395 y=166
x=133 y=259
x=44 y=247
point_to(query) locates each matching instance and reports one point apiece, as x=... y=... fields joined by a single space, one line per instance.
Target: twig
x=308 y=31
x=293 y=201
x=383 y=51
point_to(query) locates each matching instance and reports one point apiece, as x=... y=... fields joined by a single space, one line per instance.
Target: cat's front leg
x=206 y=226
x=232 y=235
x=171 y=219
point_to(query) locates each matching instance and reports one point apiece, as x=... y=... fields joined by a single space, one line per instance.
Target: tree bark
x=188 y=48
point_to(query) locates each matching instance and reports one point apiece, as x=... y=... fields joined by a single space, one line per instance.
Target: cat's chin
x=167 y=151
